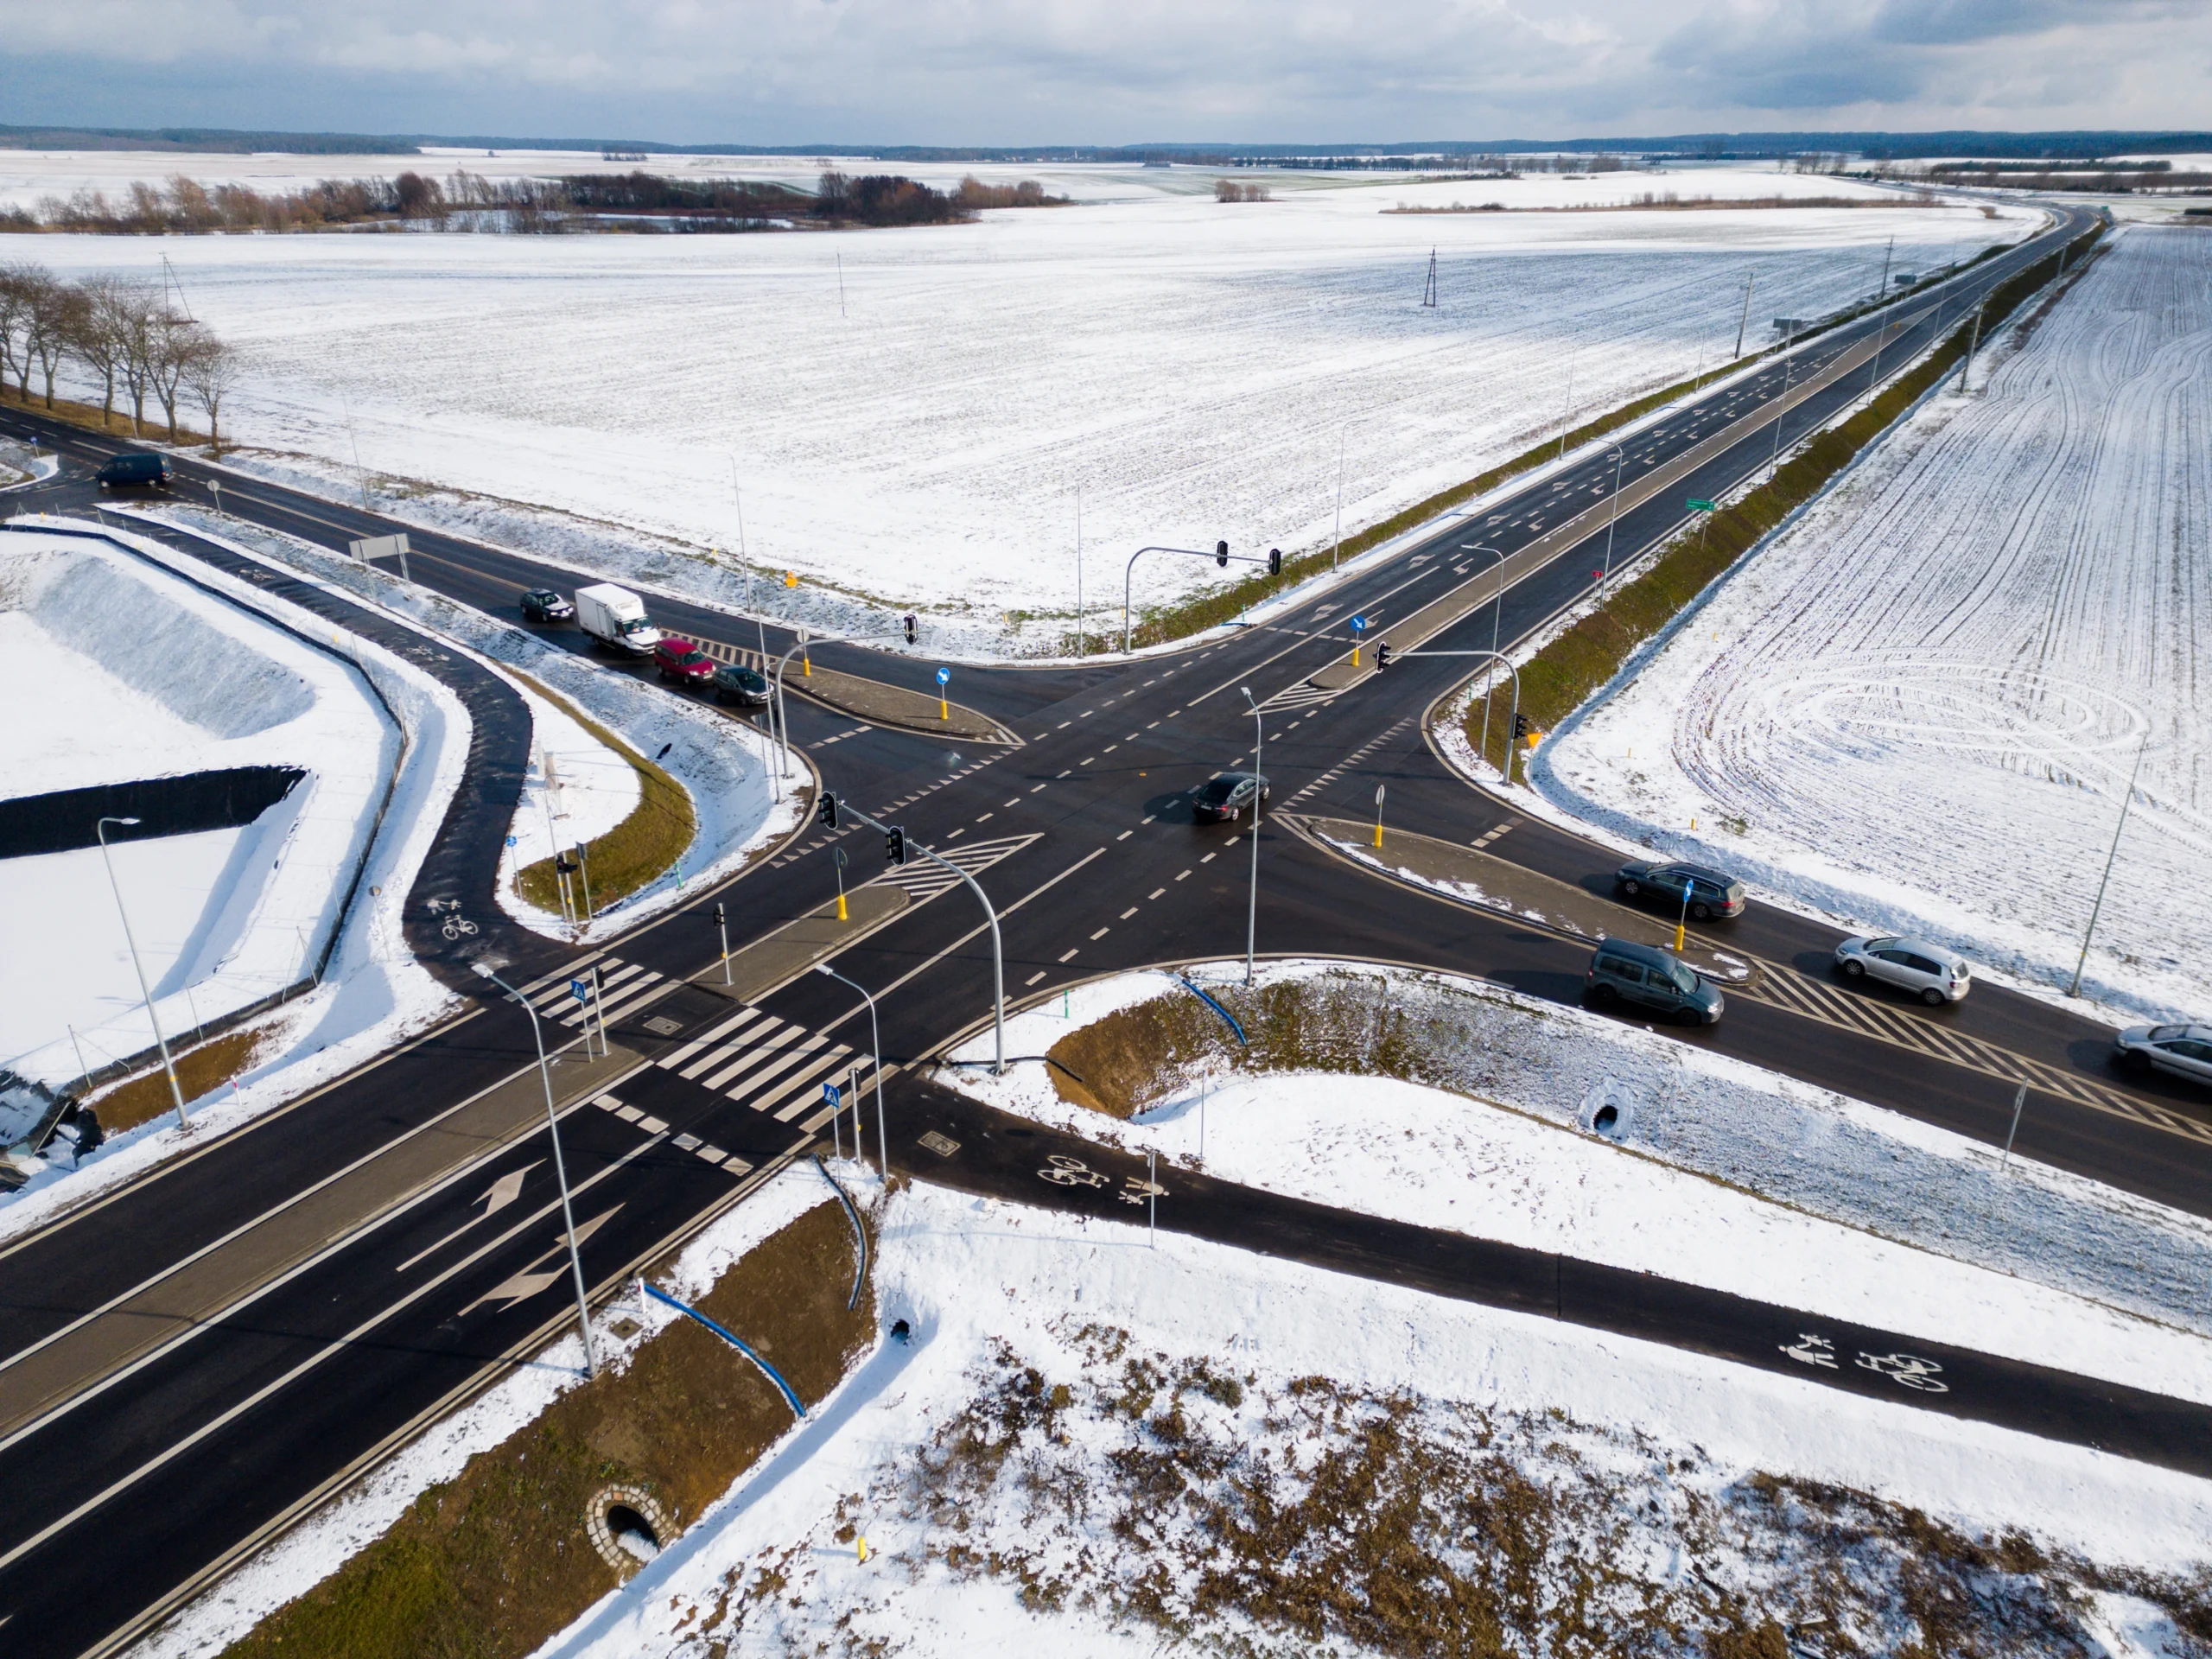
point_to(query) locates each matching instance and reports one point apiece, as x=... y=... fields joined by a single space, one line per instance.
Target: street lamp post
x=1605 y=582
x=560 y=1168
x=2126 y=801
x=1774 y=460
x=176 y=1092
x=1259 y=800
x=1496 y=617
x=875 y=1044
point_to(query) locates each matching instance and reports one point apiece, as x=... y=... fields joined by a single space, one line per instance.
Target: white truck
x=615 y=618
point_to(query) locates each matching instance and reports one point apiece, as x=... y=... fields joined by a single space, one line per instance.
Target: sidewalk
x=873 y=700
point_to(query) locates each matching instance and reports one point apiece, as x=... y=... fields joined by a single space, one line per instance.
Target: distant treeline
x=638 y=200
x=1668 y=200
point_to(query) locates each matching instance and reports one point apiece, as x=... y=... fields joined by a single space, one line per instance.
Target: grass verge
x=636 y=852
x=72 y=413
x=146 y=1096
x=1561 y=675
x=497 y=1560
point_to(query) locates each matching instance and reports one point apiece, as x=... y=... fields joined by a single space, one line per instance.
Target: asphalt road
x=128 y=1496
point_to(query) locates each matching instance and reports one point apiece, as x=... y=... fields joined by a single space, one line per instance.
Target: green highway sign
x=1697 y=506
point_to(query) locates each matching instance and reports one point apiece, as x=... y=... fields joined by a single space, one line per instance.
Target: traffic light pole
x=832 y=807
x=1221 y=556
x=1512 y=721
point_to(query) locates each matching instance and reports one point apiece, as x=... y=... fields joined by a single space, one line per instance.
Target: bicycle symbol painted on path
x=1906 y=1371
x=1063 y=1170
x=455 y=925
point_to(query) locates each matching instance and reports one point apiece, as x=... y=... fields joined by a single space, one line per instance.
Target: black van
x=136 y=469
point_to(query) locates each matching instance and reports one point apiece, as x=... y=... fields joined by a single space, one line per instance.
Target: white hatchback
x=1929 y=971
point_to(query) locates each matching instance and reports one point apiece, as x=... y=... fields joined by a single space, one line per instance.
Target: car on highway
x=1623 y=973
x=134 y=470
x=543 y=605
x=682 y=661
x=2184 y=1051
x=1929 y=971
x=1223 y=796
x=734 y=683
x=1709 y=892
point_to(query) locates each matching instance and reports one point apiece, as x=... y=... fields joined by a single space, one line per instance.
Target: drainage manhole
x=627 y=1527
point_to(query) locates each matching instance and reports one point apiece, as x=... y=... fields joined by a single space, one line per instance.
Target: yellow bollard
x=944 y=709
x=841 y=907
x=1679 y=928
x=1355 y=656
x=806 y=665
x=863 y=1550
x=1378 y=832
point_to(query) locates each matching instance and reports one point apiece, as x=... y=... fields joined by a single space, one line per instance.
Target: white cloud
x=1103 y=71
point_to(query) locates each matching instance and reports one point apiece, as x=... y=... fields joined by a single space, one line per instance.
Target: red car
x=682 y=661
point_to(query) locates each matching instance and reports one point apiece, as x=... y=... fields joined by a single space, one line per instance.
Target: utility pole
x=1428 y=294
x=1078 y=570
x=1886 y=252
x=1972 y=340
x=1605 y=582
x=1337 y=548
x=2075 y=989
x=1743 y=321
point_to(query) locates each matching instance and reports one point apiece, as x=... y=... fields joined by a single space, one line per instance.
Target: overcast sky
x=1027 y=72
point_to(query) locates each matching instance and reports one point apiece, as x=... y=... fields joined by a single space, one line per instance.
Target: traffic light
x=911 y=629
x=826 y=809
x=1382 y=656
x=721 y=920
x=1221 y=554
x=894 y=845
x=1520 y=728
x=1274 y=561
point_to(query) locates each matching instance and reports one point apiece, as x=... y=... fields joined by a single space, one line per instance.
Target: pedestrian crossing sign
x=580 y=990
x=830 y=1095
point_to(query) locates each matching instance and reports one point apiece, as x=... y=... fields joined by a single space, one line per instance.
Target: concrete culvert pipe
x=627 y=1528
x=1609 y=1109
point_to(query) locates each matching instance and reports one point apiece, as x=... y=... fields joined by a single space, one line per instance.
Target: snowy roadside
x=996 y=1466
x=1981 y=628
x=372 y=994
x=1888 y=1203
x=723 y=764
x=309 y=1553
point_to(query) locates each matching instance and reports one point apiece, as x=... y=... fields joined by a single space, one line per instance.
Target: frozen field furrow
x=1923 y=706
x=910 y=413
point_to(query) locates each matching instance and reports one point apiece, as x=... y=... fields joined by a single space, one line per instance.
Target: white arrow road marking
x=530 y=1281
x=503 y=1191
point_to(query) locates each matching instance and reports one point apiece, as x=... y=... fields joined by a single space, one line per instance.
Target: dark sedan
x=1222 y=798
x=543 y=605
x=1710 y=893
x=734 y=683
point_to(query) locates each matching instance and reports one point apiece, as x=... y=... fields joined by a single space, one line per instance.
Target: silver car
x=2185 y=1051
x=1929 y=971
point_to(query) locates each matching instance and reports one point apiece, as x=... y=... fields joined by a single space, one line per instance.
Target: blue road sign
x=580 y=990
x=942 y=675
x=1359 y=624
x=830 y=1095
x=510 y=841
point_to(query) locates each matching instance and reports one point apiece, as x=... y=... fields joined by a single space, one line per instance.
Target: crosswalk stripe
x=815 y=1049
x=612 y=1003
x=794 y=1088
x=676 y=1056
x=763 y=1030
x=782 y=1050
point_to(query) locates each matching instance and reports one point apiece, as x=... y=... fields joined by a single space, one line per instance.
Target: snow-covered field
x=1921 y=708
x=1091 y=1447
x=112 y=670
x=910 y=414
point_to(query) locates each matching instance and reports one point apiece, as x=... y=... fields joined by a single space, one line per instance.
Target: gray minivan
x=1643 y=976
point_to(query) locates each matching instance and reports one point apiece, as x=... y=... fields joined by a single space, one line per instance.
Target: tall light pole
x=177 y=1093
x=1259 y=800
x=1497 y=616
x=560 y=1168
x=1605 y=582
x=1774 y=460
x=2126 y=801
x=875 y=1044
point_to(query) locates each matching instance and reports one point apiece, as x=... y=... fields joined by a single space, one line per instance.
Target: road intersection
x=183 y=1374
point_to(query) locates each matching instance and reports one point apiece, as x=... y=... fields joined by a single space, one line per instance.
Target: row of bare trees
x=121 y=332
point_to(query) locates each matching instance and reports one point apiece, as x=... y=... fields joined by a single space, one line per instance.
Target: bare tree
x=170 y=346
x=96 y=340
x=137 y=318
x=18 y=294
x=57 y=315
x=211 y=368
